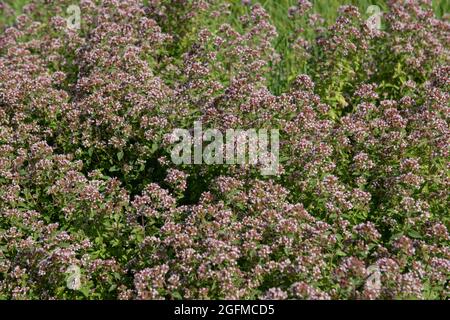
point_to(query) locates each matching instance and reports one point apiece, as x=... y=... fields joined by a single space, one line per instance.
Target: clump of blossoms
x=357 y=210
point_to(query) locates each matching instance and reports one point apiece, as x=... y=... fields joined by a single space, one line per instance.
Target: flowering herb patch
x=93 y=207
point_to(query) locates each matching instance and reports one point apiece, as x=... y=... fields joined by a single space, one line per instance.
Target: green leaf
x=414 y=234
x=177 y=295
x=340 y=253
x=112 y=288
x=154 y=147
x=85 y=291
x=120 y=155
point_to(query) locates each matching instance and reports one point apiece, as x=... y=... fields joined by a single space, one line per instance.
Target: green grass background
x=278 y=8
